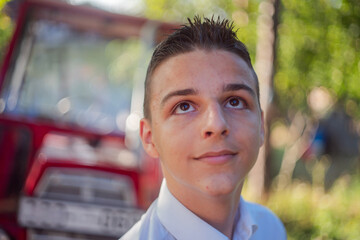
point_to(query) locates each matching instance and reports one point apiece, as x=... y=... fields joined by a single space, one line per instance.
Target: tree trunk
x=264 y=66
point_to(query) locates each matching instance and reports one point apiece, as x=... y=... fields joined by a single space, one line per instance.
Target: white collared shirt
x=168 y=219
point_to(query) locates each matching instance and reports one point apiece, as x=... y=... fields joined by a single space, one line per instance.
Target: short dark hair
x=209 y=34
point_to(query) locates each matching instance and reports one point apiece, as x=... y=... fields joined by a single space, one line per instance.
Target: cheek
x=172 y=140
x=248 y=133
x=178 y=128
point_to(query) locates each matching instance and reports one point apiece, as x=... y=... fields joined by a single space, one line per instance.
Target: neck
x=218 y=211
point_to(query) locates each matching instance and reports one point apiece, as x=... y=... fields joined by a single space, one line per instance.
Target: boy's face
x=206 y=124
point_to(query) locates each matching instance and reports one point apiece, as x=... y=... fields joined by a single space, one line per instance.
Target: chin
x=222 y=186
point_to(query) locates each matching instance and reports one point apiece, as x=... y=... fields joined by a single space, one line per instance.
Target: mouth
x=218 y=157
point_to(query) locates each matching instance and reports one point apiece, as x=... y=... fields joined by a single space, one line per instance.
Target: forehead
x=193 y=68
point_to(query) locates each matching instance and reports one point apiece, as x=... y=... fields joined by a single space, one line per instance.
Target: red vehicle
x=71 y=166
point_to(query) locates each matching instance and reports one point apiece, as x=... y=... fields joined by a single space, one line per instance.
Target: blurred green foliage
x=6 y=29
x=318 y=45
x=2 y=3
x=309 y=213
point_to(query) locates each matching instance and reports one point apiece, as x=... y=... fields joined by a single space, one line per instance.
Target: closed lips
x=216 y=154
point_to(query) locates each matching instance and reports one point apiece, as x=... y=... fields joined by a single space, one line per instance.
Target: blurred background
x=307 y=57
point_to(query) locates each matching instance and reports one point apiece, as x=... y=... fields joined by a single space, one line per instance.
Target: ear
x=262 y=130
x=147 y=138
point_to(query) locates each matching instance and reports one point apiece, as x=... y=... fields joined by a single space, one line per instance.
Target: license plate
x=76 y=217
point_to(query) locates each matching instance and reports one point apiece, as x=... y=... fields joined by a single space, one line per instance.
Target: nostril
x=211 y=133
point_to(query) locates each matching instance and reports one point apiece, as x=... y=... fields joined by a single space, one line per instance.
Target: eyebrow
x=191 y=91
x=238 y=86
x=182 y=92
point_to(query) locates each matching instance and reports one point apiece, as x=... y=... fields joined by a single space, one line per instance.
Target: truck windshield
x=73 y=76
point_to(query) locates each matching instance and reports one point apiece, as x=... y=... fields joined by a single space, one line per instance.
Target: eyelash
x=179 y=104
x=241 y=100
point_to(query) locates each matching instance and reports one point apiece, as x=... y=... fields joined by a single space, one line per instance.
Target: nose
x=214 y=122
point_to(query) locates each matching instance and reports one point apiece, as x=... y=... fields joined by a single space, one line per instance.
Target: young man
x=202 y=119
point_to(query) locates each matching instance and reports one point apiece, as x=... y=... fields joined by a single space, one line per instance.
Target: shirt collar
x=246 y=225
x=183 y=224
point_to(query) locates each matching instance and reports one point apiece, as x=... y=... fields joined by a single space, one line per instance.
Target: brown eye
x=184 y=107
x=236 y=103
